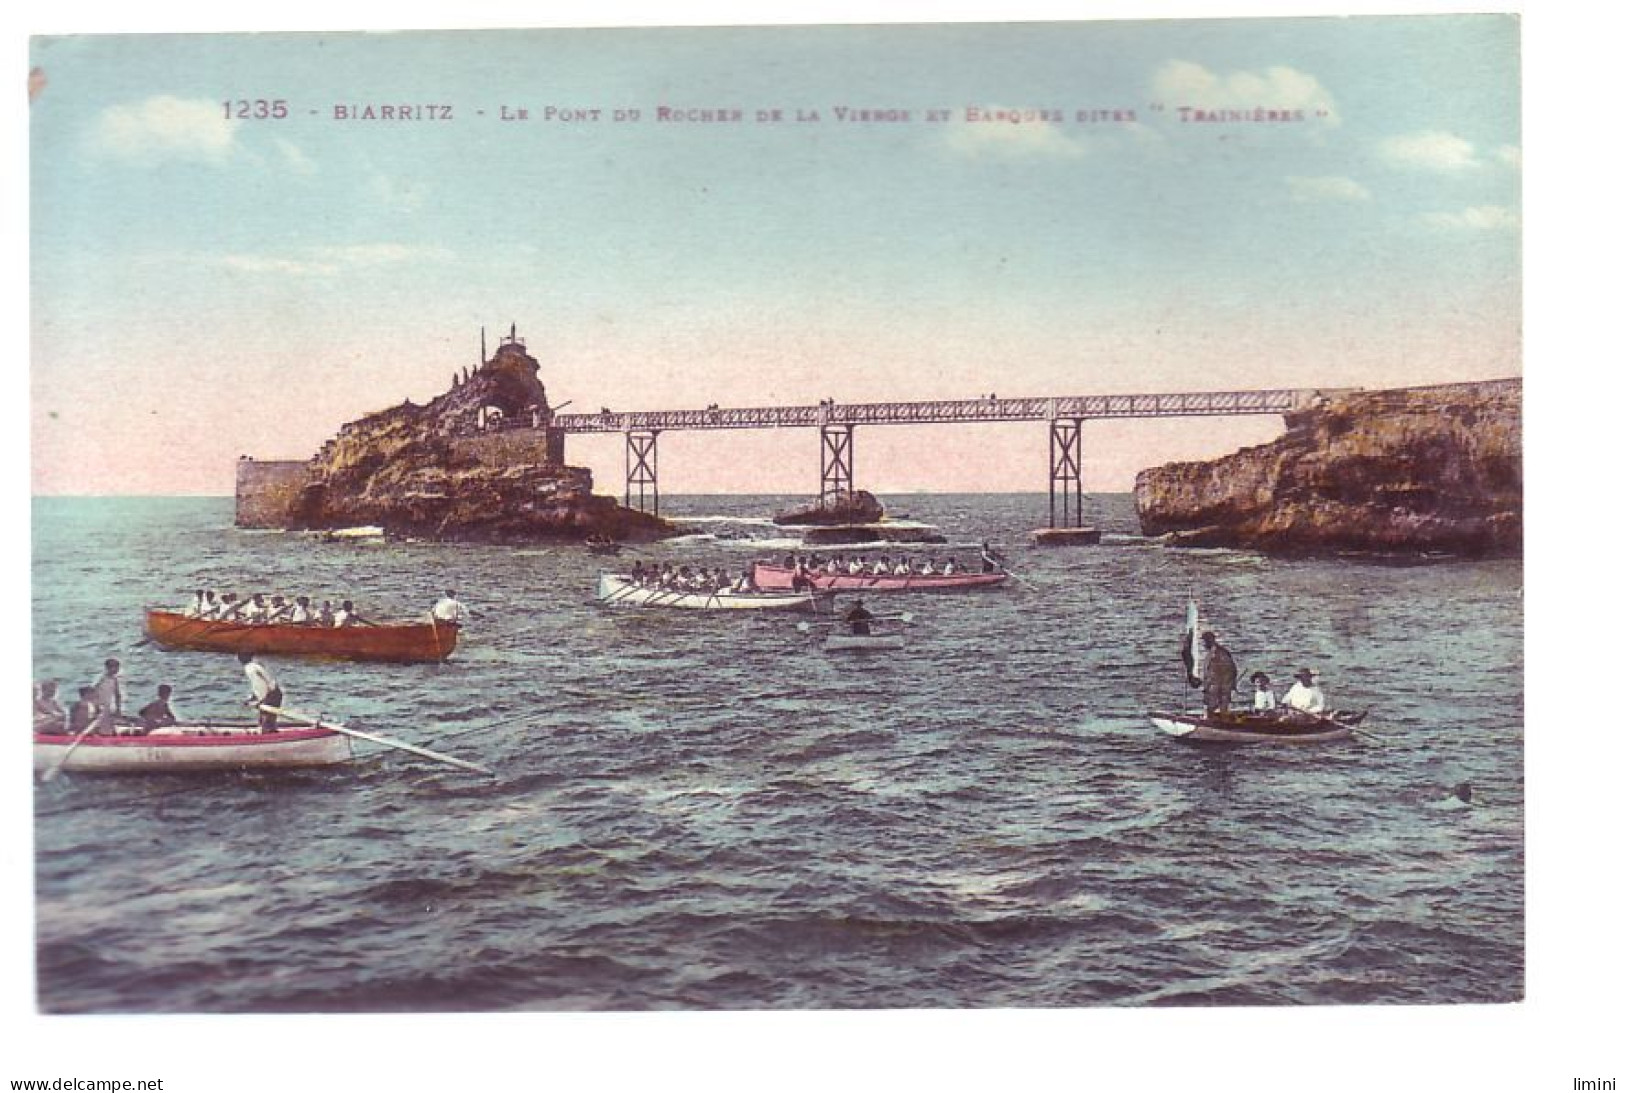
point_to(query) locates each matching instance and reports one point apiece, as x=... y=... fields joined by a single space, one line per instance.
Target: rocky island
x=479 y=462
x=1407 y=471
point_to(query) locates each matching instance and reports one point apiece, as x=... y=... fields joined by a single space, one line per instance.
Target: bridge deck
x=951 y=411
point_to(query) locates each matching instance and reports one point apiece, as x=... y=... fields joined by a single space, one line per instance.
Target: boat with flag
x=1277 y=725
x=187 y=748
x=769 y=576
x=618 y=590
x=404 y=642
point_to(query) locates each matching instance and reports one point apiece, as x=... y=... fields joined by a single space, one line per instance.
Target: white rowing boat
x=615 y=590
x=862 y=643
x=185 y=748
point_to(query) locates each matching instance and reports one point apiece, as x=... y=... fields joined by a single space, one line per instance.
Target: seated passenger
x=49 y=716
x=84 y=714
x=1304 y=696
x=158 y=713
x=1263 y=695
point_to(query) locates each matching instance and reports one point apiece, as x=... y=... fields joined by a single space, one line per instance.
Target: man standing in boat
x=267 y=691
x=109 y=699
x=1218 y=674
x=448 y=610
x=858 y=618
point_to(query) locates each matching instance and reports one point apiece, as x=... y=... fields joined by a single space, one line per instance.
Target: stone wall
x=267 y=491
x=510 y=446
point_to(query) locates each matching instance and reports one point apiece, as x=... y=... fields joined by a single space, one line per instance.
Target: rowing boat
x=184 y=748
x=769 y=576
x=620 y=591
x=862 y=643
x=1247 y=727
x=400 y=642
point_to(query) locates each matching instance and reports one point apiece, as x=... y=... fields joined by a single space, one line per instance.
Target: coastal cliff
x=479 y=462
x=1405 y=471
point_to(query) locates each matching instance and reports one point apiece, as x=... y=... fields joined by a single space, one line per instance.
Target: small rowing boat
x=1247 y=727
x=616 y=590
x=185 y=748
x=597 y=545
x=862 y=643
x=400 y=642
x=769 y=577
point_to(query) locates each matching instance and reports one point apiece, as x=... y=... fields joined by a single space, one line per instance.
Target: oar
x=56 y=767
x=294 y=715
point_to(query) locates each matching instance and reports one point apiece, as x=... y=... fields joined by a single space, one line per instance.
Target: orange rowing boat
x=402 y=642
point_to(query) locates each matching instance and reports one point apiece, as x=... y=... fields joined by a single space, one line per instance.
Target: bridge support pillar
x=641 y=464
x=1066 y=472
x=835 y=464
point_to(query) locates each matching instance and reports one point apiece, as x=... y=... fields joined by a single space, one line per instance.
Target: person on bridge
x=858 y=618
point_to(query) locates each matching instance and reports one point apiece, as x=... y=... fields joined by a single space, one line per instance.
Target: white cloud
x=329 y=261
x=164 y=127
x=294 y=158
x=1432 y=150
x=1326 y=188
x=1186 y=83
x=1510 y=155
x=1012 y=139
x=1476 y=218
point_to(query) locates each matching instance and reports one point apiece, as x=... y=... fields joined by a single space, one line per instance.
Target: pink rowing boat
x=187 y=748
x=774 y=578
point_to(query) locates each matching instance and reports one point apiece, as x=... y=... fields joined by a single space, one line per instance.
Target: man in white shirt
x=267 y=691
x=448 y=610
x=254 y=610
x=1304 y=695
x=300 y=615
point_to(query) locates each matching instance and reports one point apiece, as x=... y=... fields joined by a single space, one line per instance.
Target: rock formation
x=478 y=462
x=857 y=507
x=1408 y=471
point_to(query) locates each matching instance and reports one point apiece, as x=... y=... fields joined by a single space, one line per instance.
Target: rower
x=346 y=616
x=158 y=713
x=879 y=568
x=49 y=716
x=198 y=603
x=637 y=573
x=855 y=566
x=948 y=568
x=278 y=609
x=1304 y=696
x=227 y=606
x=83 y=713
x=324 y=617
x=300 y=614
x=448 y=610
x=990 y=558
x=858 y=618
x=109 y=699
x=267 y=691
x=830 y=565
x=254 y=611
x=902 y=568
x=1263 y=695
x=929 y=569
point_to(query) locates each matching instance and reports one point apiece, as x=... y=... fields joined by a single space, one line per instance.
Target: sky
x=206 y=286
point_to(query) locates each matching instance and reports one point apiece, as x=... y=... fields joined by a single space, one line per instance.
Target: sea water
x=705 y=810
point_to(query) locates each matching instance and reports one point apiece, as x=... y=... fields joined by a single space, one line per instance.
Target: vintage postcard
x=925 y=517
